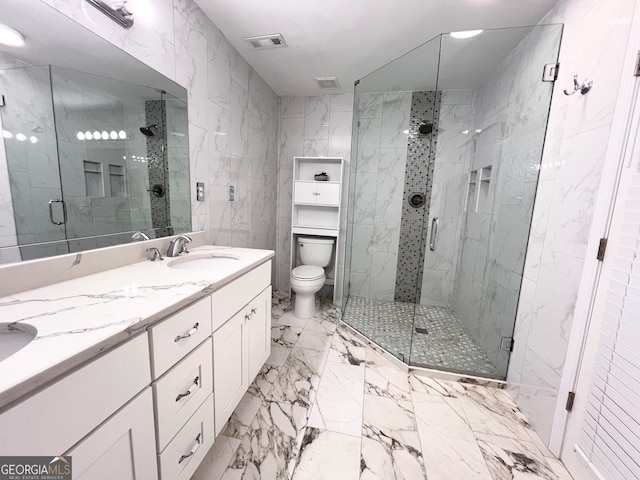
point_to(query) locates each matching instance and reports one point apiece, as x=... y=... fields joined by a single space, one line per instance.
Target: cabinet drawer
x=231 y=298
x=180 y=459
x=176 y=336
x=174 y=405
x=56 y=418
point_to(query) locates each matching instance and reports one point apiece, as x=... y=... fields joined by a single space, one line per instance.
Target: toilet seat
x=307 y=272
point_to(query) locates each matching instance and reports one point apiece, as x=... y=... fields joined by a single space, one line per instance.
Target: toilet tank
x=315 y=250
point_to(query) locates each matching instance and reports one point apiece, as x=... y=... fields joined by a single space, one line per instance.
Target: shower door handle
x=433 y=240
x=64 y=211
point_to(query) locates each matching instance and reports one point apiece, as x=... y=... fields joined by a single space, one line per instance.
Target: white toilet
x=307 y=279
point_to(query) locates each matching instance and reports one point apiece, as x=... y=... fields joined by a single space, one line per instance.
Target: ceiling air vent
x=261 y=42
x=328 y=83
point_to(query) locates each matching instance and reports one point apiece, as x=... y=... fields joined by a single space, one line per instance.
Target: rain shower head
x=147 y=130
x=425 y=127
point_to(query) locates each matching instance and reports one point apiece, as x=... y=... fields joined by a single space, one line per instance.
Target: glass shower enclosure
x=446 y=152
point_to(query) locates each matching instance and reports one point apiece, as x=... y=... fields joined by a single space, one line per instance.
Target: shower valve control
x=232 y=193
x=200 y=191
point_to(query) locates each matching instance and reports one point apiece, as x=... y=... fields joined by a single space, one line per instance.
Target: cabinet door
x=328 y=193
x=304 y=192
x=230 y=379
x=259 y=332
x=124 y=447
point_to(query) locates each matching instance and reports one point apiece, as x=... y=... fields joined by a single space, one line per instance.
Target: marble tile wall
x=316 y=126
x=233 y=115
x=496 y=230
x=593 y=44
x=178 y=154
x=447 y=197
x=7 y=223
x=379 y=188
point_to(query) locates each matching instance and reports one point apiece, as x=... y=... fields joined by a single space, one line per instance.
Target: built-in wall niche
x=483 y=190
x=117 y=181
x=472 y=197
x=93 y=180
x=478 y=189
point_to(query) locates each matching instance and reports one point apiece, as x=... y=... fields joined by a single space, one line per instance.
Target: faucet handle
x=157 y=256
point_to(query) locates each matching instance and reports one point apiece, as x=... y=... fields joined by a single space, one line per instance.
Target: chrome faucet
x=178 y=246
x=139 y=237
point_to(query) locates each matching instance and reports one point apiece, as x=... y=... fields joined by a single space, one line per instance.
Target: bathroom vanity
x=134 y=371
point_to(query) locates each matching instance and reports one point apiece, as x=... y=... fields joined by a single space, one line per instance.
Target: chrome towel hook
x=583 y=89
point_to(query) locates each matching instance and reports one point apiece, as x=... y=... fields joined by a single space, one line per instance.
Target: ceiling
x=349 y=40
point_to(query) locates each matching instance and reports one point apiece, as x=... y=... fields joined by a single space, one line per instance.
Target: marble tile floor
x=445 y=345
x=327 y=407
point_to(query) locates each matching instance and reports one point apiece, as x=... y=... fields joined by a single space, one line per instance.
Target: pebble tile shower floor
x=327 y=407
x=445 y=345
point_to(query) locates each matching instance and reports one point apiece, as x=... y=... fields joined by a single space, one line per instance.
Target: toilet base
x=304 y=305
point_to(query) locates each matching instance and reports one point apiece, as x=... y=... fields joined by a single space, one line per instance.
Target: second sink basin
x=201 y=262
x=14 y=338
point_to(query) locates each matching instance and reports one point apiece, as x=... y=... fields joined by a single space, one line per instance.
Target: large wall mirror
x=94 y=143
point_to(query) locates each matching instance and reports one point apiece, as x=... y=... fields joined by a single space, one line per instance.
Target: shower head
x=147 y=130
x=425 y=127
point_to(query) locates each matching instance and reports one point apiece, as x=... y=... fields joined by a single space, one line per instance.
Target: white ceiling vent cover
x=275 y=40
x=328 y=83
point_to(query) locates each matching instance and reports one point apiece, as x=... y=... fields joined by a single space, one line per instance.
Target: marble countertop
x=78 y=319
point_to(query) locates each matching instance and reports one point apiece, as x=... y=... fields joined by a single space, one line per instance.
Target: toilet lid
x=308 y=272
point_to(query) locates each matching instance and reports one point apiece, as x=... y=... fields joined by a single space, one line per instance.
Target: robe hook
x=583 y=89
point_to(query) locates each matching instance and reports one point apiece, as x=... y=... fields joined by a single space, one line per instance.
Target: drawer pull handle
x=249 y=316
x=192 y=389
x=188 y=334
x=193 y=450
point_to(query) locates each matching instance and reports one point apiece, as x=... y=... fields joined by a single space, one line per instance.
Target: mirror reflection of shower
x=148 y=130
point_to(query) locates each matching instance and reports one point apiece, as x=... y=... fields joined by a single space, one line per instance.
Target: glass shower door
x=491 y=131
x=392 y=144
x=447 y=154
x=35 y=217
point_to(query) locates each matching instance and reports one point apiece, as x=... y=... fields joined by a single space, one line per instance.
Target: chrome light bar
x=120 y=15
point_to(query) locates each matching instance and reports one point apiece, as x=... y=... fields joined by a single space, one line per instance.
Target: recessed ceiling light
x=466 y=33
x=10 y=37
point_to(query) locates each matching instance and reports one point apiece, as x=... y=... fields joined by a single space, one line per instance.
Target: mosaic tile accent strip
x=445 y=346
x=157 y=162
x=421 y=153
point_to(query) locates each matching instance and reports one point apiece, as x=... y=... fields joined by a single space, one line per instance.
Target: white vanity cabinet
x=241 y=338
x=182 y=386
x=57 y=419
x=123 y=447
x=151 y=407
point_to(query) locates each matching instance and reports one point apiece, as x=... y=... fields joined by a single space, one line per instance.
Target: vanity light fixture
x=10 y=36
x=120 y=15
x=466 y=33
x=21 y=137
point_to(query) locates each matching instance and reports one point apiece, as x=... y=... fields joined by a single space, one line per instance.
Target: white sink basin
x=202 y=262
x=12 y=339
